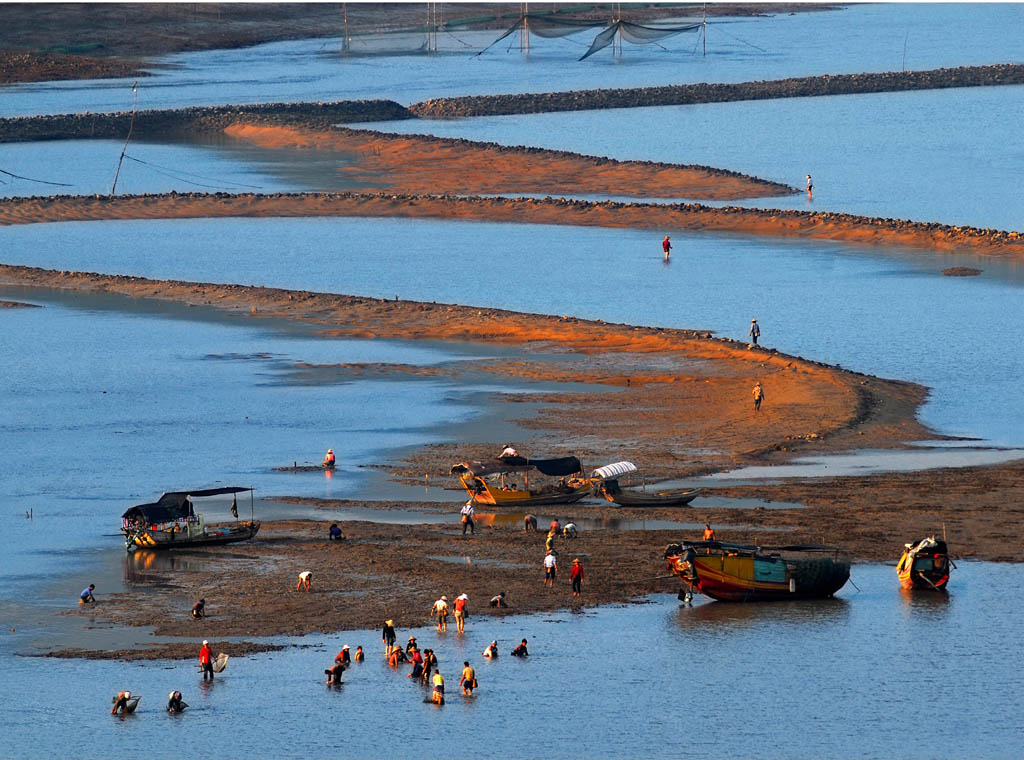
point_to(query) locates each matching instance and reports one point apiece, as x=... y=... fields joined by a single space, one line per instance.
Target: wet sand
x=424 y=164
x=836 y=226
x=681 y=393
x=397 y=571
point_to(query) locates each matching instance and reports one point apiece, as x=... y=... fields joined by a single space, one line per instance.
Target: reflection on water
x=726 y=618
x=141 y=560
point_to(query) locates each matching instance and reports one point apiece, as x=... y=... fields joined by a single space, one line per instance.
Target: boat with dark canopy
x=738 y=573
x=606 y=485
x=171 y=522
x=473 y=476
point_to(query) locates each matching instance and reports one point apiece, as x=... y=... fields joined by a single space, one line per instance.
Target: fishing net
x=638 y=34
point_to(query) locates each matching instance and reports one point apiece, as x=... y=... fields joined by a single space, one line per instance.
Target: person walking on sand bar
x=666 y=246
x=576 y=576
x=709 y=533
x=755 y=331
x=206 y=660
x=550 y=568
x=810 y=187
x=305 y=580
x=86 y=596
x=758 y=393
x=467 y=518
x=440 y=611
x=460 y=612
x=468 y=680
x=387 y=635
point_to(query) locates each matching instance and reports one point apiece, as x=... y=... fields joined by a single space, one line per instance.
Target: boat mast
x=704 y=32
x=131 y=126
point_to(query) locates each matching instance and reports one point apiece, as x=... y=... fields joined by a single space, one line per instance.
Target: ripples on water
x=874 y=673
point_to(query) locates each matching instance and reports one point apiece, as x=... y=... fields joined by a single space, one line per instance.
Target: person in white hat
x=206 y=660
x=121 y=702
x=329 y=459
x=440 y=609
x=755 y=331
x=460 y=612
x=344 y=657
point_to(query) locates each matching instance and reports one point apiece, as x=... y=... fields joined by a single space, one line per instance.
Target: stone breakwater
x=694 y=216
x=687 y=94
x=187 y=121
x=546 y=154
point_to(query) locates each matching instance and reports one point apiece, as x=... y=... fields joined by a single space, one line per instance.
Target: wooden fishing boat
x=502 y=493
x=925 y=564
x=172 y=523
x=606 y=485
x=737 y=573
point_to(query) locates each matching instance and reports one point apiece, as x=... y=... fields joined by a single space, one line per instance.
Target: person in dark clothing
x=388 y=636
x=174 y=703
x=343 y=657
x=499 y=600
x=334 y=673
x=199 y=609
x=335 y=533
x=521 y=651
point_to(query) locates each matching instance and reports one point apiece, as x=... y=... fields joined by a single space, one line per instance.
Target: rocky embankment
x=188 y=121
x=695 y=216
x=686 y=94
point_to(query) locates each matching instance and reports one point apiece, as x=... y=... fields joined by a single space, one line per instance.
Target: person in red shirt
x=460 y=612
x=343 y=657
x=576 y=576
x=206 y=660
x=666 y=246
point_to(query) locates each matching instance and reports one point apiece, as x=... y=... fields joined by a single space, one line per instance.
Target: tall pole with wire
x=705 y=30
x=131 y=126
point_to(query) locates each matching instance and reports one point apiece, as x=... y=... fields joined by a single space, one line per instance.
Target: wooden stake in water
x=131 y=126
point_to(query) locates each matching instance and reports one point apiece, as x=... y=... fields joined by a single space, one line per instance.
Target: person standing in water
x=460 y=612
x=388 y=636
x=810 y=187
x=468 y=680
x=206 y=660
x=438 y=695
x=666 y=246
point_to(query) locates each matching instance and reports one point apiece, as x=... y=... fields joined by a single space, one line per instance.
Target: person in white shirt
x=508 y=451
x=550 y=568
x=467 y=518
x=440 y=611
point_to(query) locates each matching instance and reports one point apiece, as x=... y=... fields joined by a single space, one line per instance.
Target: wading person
x=576 y=576
x=86 y=596
x=417 y=664
x=334 y=673
x=174 y=703
x=755 y=331
x=305 y=580
x=329 y=462
x=460 y=612
x=206 y=660
x=440 y=610
x=666 y=246
x=492 y=650
x=429 y=664
x=343 y=656
x=758 y=394
x=199 y=609
x=810 y=187
x=550 y=569
x=468 y=679
x=438 y=696
x=358 y=656
x=387 y=635
x=521 y=650
x=121 y=702
x=467 y=517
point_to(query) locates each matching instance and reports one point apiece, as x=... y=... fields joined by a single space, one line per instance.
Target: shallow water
x=712 y=677
x=910 y=155
x=884 y=312
x=883 y=37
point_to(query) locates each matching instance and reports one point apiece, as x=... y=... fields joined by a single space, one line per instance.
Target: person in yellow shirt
x=438 y=696
x=468 y=680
